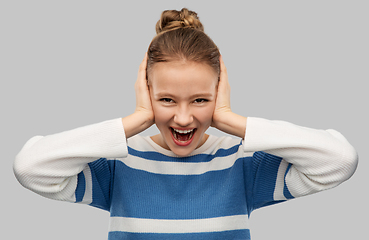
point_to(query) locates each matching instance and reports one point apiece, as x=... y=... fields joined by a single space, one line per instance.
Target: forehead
x=183 y=75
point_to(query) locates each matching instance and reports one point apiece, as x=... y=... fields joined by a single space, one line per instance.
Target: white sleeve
x=49 y=165
x=321 y=159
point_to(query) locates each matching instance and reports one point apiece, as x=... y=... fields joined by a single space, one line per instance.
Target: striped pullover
x=153 y=194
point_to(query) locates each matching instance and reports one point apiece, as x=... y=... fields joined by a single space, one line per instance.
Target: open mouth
x=182 y=137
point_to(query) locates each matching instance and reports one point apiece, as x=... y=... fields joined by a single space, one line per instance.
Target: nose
x=183 y=116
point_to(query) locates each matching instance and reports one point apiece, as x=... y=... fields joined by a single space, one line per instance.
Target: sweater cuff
x=105 y=139
x=263 y=134
x=115 y=138
x=253 y=134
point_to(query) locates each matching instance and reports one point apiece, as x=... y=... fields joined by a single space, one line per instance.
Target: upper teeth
x=183 y=131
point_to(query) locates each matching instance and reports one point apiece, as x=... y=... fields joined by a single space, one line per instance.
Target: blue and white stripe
x=142 y=225
x=205 y=194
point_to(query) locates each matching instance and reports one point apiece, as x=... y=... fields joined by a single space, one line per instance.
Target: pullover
x=153 y=194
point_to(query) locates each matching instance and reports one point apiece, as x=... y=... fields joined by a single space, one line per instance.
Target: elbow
x=22 y=170
x=344 y=156
x=325 y=177
x=343 y=166
x=24 y=165
x=338 y=168
x=36 y=179
x=350 y=161
x=35 y=171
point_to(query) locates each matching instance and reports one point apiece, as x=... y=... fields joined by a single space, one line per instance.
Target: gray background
x=66 y=64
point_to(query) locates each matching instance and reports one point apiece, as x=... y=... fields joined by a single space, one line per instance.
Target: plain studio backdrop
x=66 y=64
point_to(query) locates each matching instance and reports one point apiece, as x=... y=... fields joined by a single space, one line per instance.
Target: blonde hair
x=180 y=36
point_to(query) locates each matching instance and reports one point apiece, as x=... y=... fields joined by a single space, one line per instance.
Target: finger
x=141 y=82
x=224 y=88
x=142 y=68
x=223 y=69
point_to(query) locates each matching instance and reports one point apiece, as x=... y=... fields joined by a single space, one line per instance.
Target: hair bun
x=173 y=19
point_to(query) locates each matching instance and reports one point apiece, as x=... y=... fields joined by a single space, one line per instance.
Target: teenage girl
x=183 y=183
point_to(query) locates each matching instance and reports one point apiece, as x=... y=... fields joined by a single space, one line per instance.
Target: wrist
x=231 y=123
x=136 y=123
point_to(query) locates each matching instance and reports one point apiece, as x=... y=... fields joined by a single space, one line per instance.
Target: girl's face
x=183 y=98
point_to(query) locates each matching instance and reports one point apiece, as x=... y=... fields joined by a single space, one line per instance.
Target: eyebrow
x=164 y=94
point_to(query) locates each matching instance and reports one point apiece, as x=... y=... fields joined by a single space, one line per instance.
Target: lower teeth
x=187 y=139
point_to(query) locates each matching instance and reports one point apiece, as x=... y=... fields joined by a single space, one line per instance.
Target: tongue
x=183 y=137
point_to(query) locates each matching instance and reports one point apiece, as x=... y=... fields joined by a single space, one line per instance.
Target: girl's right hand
x=143 y=117
x=143 y=101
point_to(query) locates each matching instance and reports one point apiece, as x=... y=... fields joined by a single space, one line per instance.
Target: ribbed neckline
x=208 y=143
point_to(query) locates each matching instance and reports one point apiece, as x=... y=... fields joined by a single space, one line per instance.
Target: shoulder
x=138 y=141
x=224 y=142
x=220 y=146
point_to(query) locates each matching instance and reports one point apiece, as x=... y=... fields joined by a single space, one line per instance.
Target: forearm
x=232 y=123
x=136 y=123
x=49 y=165
x=321 y=159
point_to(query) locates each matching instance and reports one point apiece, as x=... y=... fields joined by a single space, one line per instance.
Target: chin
x=181 y=151
x=184 y=148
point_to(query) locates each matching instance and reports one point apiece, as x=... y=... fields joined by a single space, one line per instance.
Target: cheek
x=162 y=114
x=205 y=115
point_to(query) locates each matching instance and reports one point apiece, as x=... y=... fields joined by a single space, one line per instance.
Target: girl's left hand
x=223 y=117
x=223 y=100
